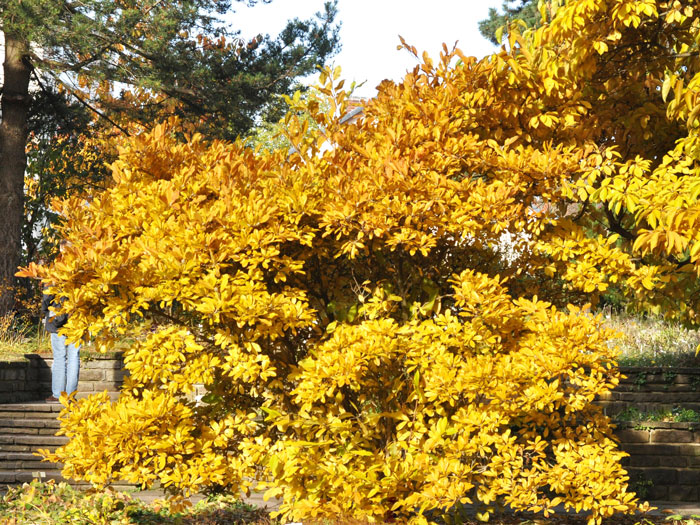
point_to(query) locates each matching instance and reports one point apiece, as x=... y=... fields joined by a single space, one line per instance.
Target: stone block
x=671 y=436
x=96 y=374
x=16 y=397
x=26 y=422
x=644 y=461
x=19 y=430
x=662 y=476
x=683 y=493
x=19 y=456
x=39 y=465
x=689 y=477
x=632 y=436
x=43 y=474
x=655 y=492
x=42 y=441
x=681 y=388
x=682 y=425
x=116 y=375
x=652 y=449
x=103 y=364
x=628 y=397
x=673 y=461
x=100 y=386
x=8 y=374
x=687 y=379
x=690 y=450
x=8 y=476
x=16 y=448
x=86 y=386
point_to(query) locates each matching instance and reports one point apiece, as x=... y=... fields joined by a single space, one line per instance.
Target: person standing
x=66 y=357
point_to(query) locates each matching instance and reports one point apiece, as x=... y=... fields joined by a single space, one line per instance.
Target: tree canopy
x=134 y=61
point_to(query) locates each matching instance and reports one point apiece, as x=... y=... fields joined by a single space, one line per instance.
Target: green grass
x=17 y=338
x=651 y=341
x=673 y=415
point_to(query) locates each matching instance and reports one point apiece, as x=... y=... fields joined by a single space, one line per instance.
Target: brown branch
x=91 y=107
x=615 y=225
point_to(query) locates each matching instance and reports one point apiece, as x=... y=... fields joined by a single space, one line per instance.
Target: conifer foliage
x=390 y=317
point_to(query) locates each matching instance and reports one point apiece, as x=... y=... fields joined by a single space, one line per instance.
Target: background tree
x=64 y=156
x=170 y=57
x=525 y=10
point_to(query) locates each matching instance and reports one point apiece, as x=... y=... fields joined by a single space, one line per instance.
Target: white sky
x=370 y=29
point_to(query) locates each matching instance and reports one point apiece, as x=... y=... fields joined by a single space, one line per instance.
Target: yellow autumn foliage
x=389 y=316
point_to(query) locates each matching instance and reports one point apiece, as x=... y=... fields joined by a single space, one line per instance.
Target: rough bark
x=13 y=161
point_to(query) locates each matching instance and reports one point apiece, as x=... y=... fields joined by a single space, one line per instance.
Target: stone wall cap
x=659 y=369
x=656 y=425
x=117 y=354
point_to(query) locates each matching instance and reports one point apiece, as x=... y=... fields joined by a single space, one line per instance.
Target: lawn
x=651 y=341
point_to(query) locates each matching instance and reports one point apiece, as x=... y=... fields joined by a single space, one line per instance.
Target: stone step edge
x=45 y=475
x=26 y=422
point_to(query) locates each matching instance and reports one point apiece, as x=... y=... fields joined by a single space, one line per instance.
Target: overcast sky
x=371 y=28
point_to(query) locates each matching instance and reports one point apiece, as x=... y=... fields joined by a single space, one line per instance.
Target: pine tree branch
x=91 y=107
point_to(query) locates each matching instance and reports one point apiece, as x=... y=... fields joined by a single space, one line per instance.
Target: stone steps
x=25 y=461
x=24 y=429
x=13 y=477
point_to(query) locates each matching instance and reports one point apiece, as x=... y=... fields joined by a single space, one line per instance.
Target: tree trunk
x=13 y=161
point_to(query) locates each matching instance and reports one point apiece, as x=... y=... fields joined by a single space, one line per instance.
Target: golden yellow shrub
x=354 y=361
x=380 y=316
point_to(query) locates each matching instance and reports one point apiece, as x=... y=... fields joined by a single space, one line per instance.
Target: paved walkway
x=255 y=498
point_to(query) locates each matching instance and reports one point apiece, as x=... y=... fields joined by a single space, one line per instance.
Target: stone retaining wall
x=30 y=379
x=664 y=461
x=17 y=382
x=652 y=388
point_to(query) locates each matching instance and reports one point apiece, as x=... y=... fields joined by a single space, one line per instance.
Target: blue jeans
x=66 y=366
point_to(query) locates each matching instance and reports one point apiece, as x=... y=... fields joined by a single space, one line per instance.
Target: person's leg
x=72 y=368
x=58 y=369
